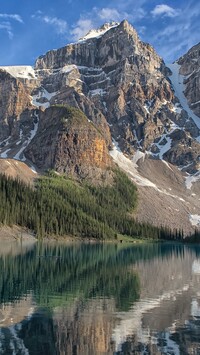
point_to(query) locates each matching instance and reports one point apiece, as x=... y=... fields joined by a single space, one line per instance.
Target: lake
x=93 y=299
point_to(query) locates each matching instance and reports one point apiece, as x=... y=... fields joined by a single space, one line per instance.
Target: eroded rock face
x=14 y=99
x=122 y=78
x=184 y=151
x=122 y=85
x=69 y=143
x=190 y=64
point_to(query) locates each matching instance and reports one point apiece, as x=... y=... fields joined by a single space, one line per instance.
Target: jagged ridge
x=122 y=86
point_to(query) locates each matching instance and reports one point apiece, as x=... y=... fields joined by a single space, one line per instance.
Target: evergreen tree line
x=194 y=238
x=61 y=206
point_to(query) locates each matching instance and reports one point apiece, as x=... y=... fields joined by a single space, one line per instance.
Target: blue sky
x=30 y=28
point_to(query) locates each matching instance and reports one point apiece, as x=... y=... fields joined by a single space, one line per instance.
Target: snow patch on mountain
x=177 y=81
x=99 y=32
x=164 y=148
x=148 y=105
x=165 y=142
x=190 y=179
x=194 y=219
x=19 y=155
x=42 y=94
x=5 y=153
x=95 y=92
x=129 y=166
x=68 y=68
x=5 y=142
x=23 y=72
x=176 y=108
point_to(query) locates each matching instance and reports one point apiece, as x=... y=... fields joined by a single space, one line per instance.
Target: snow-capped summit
x=99 y=31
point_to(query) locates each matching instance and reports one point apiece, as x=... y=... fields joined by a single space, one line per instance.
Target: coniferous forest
x=59 y=206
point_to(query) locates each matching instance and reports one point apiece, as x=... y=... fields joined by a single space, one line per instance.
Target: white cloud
x=165 y=10
x=141 y=29
x=179 y=34
x=81 y=28
x=7 y=27
x=108 y=14
x=60 y=25
x=15 y=17
x=131 y=10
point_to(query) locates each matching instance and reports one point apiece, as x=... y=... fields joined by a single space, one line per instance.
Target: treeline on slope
x=193 y=238
x=60 y=206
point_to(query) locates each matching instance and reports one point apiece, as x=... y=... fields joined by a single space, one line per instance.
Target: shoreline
x=21 y=234
x=15 y=233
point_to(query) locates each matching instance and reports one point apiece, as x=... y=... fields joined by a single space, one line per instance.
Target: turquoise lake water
x=94 y=299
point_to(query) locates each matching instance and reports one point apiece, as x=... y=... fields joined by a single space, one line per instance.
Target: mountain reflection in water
x=100 y=299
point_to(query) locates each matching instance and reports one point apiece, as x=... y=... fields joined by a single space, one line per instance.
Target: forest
x=60 y=206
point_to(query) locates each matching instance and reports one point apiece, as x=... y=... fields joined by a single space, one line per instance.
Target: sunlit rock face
x=70 y=144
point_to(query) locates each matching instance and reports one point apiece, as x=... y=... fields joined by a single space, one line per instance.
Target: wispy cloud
x=81 y=28
x=6 y=26
x=180 y=35
x=6 y=23
x=15 y=17
x=141 y=29
x=130 y=10
x=165 y=10
x=60 y=25
x=108 y=14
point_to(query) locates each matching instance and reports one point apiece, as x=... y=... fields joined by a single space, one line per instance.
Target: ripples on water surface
x=99 y=299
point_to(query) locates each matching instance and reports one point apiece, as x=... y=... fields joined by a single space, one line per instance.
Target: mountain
x=189 y=67
x=135 y=113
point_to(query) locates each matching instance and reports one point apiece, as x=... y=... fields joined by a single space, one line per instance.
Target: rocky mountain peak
x=133 y=105
x=100 y=31
x=102 y=47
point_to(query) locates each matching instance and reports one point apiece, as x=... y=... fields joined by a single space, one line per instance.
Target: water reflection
x=100 y=299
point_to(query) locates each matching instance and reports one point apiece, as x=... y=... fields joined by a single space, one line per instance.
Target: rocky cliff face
x=130 y=98
x=117 y=77
x=190 y=64
x=14 y=100
x=122 y=78
x=69 y=143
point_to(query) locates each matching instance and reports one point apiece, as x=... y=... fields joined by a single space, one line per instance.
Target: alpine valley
x=109 y=100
